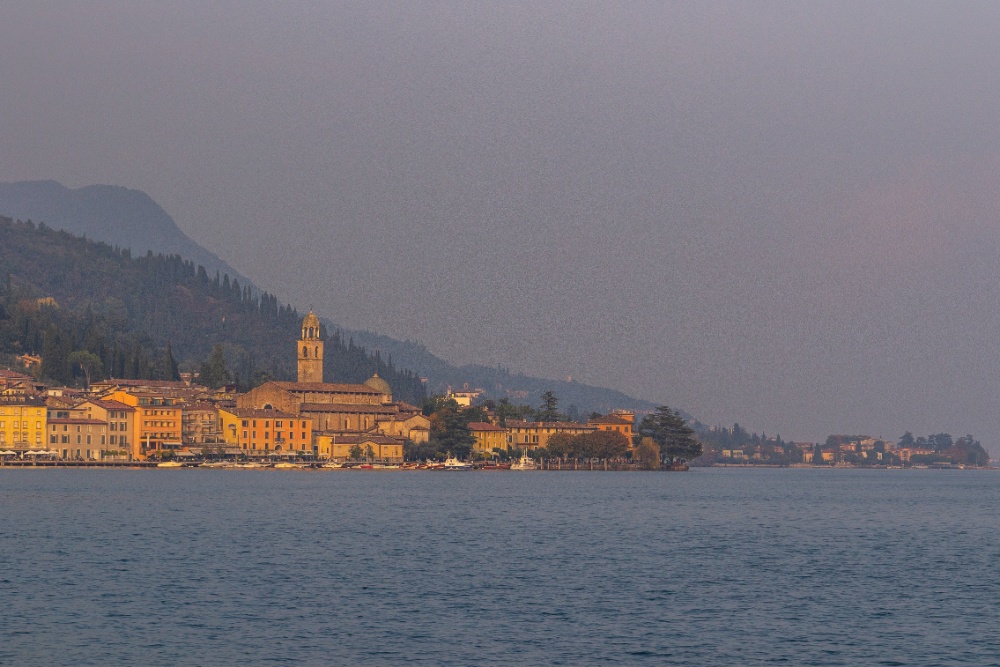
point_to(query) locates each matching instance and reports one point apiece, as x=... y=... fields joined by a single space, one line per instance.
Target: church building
x=336 y=408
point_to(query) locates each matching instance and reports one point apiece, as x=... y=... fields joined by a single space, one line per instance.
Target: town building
x=266 y=431
x=535 y=435
x=200 y=424
x=369 y=446
x=22 y=422
x=120 y=419
x=336 y=408
x=157 y=422
x=489 y=438
x=80 y=439
x=619 y=421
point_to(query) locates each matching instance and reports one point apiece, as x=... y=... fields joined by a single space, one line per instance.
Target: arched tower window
x=305 y=351
x=316 y=352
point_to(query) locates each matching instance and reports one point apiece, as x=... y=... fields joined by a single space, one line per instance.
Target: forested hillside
x=64 y=297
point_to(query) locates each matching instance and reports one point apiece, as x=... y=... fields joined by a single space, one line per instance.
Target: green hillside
x=142 y=317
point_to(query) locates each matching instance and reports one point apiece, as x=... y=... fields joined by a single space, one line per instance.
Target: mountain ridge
x=130 y=218
x=114 y=214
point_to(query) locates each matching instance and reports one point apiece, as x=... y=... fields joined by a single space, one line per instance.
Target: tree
x=450 y=430
x=968 y=451
x=355 y=452
x=548 y=410
x=88 y=362
x=214 y=373
x=168 y=369
x=817 y=455
x=648 y=454
x=608 y=444
x=668 y=429
x=560 y=445
x=940 y=442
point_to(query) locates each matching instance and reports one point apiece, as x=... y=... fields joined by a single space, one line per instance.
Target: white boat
x=524 y=463
x=288 y=464
x=332 y=464
x=454 y=464
x=170 y=464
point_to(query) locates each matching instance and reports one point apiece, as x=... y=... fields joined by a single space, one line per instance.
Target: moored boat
x=524 y=463
x=454 y=464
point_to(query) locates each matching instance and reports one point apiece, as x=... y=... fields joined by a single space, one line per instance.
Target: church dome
x=310 y=320
x=379 y=385
x=310 y=327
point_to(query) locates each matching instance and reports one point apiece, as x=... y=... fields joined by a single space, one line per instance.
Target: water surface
x=714 y=566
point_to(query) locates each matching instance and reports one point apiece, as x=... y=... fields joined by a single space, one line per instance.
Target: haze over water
x=716 y=566
x=782 y=214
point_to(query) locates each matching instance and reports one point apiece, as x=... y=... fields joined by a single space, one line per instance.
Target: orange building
x=266 y=431
x=157 y=422
x=620 y=421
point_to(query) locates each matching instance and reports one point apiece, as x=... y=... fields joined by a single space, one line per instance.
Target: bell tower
x=310 y=350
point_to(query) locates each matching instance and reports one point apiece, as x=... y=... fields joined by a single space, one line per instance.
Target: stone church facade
x=337 y=409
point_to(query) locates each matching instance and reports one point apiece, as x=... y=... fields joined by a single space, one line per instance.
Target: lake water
x=709 y=567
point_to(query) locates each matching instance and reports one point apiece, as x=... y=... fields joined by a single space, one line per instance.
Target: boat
x=332 y=464
x=454 y=464
x=170 y=464
x=288 y=464
x=524 y=463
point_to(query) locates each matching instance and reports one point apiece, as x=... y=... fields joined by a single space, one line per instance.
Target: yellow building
x=489 y=437
x=23 y=422
x=266 y=431
x=534 y=435
x=373 y=447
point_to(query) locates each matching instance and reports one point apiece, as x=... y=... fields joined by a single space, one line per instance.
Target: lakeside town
x=313 y=423
x=304 y=422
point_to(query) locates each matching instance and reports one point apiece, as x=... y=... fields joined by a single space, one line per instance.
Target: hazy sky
x=783 y=214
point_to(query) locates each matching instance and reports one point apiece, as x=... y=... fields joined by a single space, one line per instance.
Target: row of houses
x=137 y=419
x=529 y=436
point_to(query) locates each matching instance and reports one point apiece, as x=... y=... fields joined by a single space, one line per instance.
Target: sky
x=781 y=214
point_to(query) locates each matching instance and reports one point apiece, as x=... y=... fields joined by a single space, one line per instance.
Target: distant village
x=938 y=451
x=140 y=420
